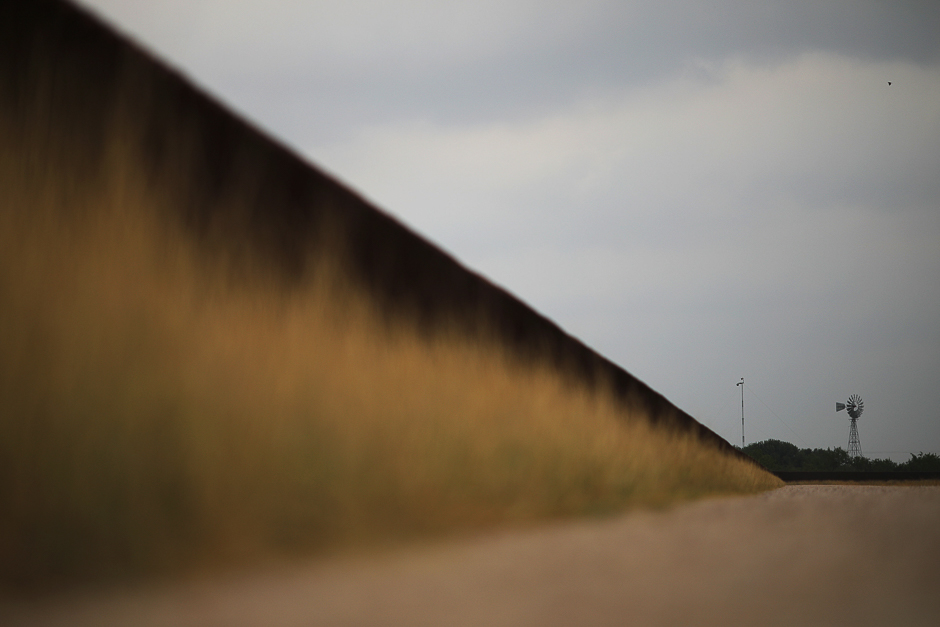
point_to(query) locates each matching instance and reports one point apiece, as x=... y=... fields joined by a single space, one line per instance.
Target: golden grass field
x=168 y=403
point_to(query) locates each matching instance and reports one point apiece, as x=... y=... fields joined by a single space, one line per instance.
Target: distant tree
x=824 y=459
x=776 y=455
x=923 y=462
x=863 y=464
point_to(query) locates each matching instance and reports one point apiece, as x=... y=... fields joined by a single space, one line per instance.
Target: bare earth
x=800 y=555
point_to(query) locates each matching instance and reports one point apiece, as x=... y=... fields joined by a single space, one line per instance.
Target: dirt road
x=801 y=555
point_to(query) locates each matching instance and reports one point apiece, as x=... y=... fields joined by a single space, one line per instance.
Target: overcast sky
x=701 y=191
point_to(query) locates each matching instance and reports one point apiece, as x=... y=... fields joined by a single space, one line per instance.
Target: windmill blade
x=854 y=406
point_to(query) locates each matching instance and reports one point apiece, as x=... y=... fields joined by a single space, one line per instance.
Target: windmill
x=854 y=407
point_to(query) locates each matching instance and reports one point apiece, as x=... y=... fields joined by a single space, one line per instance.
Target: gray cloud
x=453 y=62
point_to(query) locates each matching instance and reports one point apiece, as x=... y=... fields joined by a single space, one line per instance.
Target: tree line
x=775 y=455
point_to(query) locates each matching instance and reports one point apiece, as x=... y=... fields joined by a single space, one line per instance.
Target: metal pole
x=741 y=383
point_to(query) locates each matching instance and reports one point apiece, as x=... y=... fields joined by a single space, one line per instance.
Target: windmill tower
x=854 y=407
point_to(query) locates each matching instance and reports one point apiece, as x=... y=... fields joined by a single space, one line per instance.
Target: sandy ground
x=800 y=555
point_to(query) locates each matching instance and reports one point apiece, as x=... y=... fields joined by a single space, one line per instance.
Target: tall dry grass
x=164 y=408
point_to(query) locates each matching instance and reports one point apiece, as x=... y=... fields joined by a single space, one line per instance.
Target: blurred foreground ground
x=799 y=555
